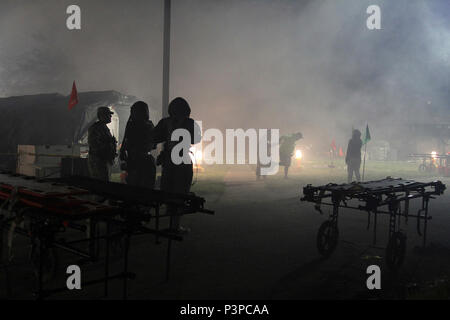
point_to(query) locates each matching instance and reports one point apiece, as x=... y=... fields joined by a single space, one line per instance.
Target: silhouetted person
x=353 y=156
x=176 y=178
x=102 y=146
x=287 y=146
x=136 y=146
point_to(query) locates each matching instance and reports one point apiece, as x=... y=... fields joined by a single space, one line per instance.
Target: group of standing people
x=352 y=158
x=140 y=138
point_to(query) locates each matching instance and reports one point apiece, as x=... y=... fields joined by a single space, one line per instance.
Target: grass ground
x=209 y=181
x=373 y=170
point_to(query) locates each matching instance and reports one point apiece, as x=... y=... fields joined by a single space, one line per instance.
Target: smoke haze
x=309 y=66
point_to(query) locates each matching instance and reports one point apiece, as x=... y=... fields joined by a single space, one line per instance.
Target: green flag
x=367 y=136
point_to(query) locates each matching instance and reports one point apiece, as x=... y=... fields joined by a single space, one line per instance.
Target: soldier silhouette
x=136 y=146
x=102 y=146
x=176 y=178
x=287 y=146
x=353 y=156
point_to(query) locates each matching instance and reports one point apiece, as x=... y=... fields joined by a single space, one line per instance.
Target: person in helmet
x=136 y=146
x=287 y=146
x=176 y=177
x=102 y=146
x=353 y=156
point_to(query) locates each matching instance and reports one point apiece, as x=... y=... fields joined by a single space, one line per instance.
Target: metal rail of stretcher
x=56 y=200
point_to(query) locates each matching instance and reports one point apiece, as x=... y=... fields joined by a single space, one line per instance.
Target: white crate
x=44 y=160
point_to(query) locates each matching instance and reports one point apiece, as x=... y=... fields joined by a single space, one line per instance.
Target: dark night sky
x=309 y=65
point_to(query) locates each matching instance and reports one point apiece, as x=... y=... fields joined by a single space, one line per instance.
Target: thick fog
x=309 y=66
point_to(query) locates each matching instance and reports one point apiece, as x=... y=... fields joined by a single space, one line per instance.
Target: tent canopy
x=44 y=119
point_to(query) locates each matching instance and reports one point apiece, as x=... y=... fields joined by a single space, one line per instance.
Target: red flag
x=341 y=153
x=73 y=97
x=333 y=145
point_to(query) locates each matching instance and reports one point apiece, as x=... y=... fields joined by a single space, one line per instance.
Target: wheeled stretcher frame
x=388 y=196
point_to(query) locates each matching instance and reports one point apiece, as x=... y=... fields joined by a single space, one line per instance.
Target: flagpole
x=334 y=157
x=166 y=58
x=366 y=140
x=364 y=162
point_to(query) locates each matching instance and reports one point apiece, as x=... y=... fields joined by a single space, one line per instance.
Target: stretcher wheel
x=327 y=238
x=395 y=251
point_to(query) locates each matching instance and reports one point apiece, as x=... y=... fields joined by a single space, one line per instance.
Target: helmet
x=103 y=111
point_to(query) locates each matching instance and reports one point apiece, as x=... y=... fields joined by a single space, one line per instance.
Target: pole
x=364 y=162
x=331 y=165
x=166 y=59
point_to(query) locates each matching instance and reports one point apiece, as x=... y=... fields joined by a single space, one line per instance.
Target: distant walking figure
x=287 y=146
x=353 y=157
